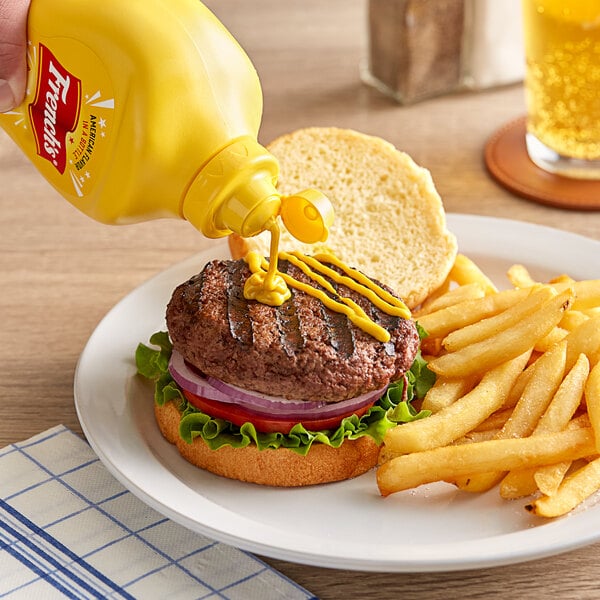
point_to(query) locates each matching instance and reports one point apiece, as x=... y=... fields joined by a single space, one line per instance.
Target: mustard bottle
x=148 y=109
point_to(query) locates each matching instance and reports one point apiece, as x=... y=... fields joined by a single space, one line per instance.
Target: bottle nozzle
x=250 y=208
x=235 y=192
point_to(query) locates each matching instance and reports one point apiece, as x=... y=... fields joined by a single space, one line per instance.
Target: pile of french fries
x=516 y=403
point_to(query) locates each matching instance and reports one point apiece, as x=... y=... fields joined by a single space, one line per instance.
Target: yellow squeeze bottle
x=149 y=108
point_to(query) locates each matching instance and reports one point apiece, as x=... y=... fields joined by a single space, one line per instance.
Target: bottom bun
x=281 y=467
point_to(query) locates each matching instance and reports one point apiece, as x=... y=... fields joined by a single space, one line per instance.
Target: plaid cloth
x=69 y=529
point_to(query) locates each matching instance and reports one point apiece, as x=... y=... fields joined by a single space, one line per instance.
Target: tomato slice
x=266 y=424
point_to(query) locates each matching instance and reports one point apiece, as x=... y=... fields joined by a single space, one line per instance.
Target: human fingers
x=13 y=42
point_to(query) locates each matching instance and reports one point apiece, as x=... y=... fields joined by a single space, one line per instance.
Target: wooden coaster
x=508 y=162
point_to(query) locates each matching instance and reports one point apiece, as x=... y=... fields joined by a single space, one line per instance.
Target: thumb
x=13 y=42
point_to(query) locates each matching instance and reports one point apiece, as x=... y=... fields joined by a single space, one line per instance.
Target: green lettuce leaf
x=394 y=407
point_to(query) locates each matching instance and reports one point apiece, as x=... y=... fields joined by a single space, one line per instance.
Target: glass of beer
x=562 y=85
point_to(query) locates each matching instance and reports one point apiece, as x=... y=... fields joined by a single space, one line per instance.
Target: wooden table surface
x=62 y=272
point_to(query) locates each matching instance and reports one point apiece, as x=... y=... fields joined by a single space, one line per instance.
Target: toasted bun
x=389 y=218
x=281 y=467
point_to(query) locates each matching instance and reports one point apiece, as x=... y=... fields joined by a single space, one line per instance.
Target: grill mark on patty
x=288 y=326
x=389 y=322
x=341 y=335
x=238 y=317
x=339 y=328
x=288 y=322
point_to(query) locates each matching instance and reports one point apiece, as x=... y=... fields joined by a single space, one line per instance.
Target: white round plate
x=348 y=524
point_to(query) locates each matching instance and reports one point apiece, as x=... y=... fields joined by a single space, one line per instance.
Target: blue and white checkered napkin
x=69 y=529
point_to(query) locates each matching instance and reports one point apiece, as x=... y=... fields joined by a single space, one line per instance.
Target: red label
x=55 y=111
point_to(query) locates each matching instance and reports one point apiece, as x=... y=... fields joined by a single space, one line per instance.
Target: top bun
x=389 y=218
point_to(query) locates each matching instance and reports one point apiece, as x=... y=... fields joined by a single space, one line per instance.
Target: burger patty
x=299 y=350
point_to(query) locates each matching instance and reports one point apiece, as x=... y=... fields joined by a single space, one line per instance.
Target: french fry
x=565 y=402
x=519 y=276
x=563 y=279
x=549 y=478
x=519 y=483
x=567 y=398
x=445 y=392
x=587 y=294
x=517 y=390
x=424 y=308
x=477 y=436
x=538 y=394
x=493 y=325
x=454 y=296
x=441 y=322
x=572 y=319
x=574 y=490
x=556 y=335
x=503 y=346
x=477 y=483
x=592 y=401
x=561 y=286
x=595 y=357
x=466 y=271
x=450 y=462
x=459 y=418
x=584 y=340
x=495 y=421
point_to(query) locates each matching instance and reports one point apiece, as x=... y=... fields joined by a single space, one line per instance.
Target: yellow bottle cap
x=307 y=215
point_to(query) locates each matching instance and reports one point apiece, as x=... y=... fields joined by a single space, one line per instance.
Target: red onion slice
x=215 y=389
x=190 y=380
x=193 y=381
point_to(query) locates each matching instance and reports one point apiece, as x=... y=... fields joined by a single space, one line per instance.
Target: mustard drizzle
x=298 y=260
x=353 y=279
x=358 y=282
x=269 y=286
x=360 y=320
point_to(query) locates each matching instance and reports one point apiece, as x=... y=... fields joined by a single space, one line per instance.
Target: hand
x=13 y=52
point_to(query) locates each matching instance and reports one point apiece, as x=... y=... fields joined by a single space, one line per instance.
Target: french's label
x=54 y=113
